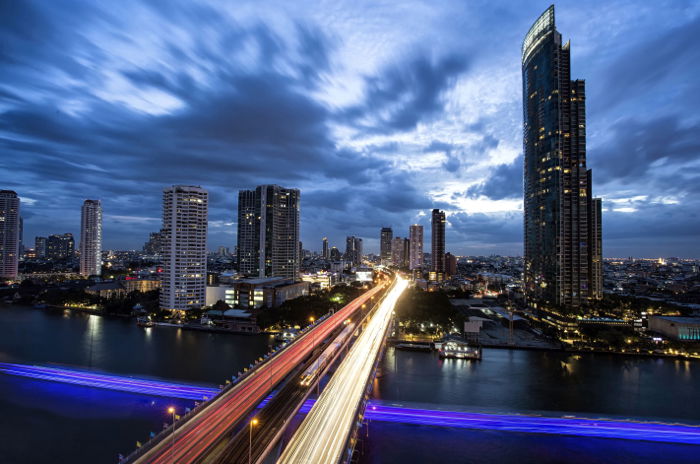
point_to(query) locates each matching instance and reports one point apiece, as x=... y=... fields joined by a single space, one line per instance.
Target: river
x=42 y=422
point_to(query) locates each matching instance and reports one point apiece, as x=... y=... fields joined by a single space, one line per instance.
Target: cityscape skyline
x=375 y=130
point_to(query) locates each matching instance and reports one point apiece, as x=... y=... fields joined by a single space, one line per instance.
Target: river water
x=44 y=422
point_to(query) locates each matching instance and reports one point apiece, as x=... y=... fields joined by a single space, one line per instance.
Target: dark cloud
x=406 y=94
x=635 y=148
x=505 y=181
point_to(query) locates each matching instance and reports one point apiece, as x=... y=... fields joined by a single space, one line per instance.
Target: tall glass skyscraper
x=437 y=248
x=563 y=245
x=9 y=234
x=91 y=238
x=385 y=237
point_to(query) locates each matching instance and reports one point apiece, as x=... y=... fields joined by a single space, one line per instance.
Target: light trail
x=384 y=412
x=110 y=381
x=322 y=436
x=199 y=433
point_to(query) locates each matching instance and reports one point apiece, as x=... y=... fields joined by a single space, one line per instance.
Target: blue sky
x=377 y=110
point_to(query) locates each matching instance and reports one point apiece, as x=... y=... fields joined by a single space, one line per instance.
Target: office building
x=335 y=254
x=9 y=234
x=450 y=264
x=152 y=246
x=325 y=250
x=184 y=247
x=60 y=247
x=415 y=238
x=438 y=243
x=353 y=250
x=40 y=247
x=268 y=232
x=91 y=238
x=385 y=237
x=562 y=226
x=397 y=252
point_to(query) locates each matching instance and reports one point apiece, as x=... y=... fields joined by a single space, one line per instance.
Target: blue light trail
x=380 y=411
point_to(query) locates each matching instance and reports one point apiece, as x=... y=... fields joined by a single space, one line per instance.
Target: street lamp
x=253 y=423
x=171 y=411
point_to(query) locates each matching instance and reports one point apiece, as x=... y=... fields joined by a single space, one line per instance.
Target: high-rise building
x=268 y=232
x=152 y=246
x=91 y=238
x=438 y=243
x=406 y=253
x=184 y=247
x=450 y=264
x=40 y=247
x=385 y=237
x=595 y=237
x=335 y=254
x=60 y=246
x=397 y=255
x=415 y=238
x=353 y=250
x=326 y=251
x=9 y=234
x=559 y=243
x=21 y=236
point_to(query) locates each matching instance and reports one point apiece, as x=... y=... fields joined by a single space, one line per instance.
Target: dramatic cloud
x=378 y=115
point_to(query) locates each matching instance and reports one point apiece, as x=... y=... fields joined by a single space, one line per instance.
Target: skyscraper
x=559 y=243
x=184 y=247
x=397 y=256
x=415 y=238
x=91 y=238
x=153 y=245
x=326 y=252
x=9 y=234
x=353 y=250
x=438 y=243
x=268 y=232
x=40 y=247
x=385 y=237
x=60 y=246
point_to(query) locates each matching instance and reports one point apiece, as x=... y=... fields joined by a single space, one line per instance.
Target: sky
x=378 y=111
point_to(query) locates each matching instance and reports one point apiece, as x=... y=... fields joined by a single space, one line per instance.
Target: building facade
x=325 y=251
x=415 y=238
x=40 y=247
x=559 y=235
x=397 y=252
x=438 y=243
x=184 y=247
x=60 y=246
x=9 y=234
x=268 y=232
x=353 y=250
x=91 y=238
x=385 y=237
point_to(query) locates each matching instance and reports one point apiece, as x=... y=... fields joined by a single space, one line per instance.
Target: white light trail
x=323 y=434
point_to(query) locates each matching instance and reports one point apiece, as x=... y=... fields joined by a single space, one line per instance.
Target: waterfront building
x=184 y=247
x=255 y=293
x=415 y=238
x=91 y=238
x=9 y=234
x=686 y=329
x=268 y=232
x=562 y=227
x=60 y=246
x=438 y=244
x=385 y=245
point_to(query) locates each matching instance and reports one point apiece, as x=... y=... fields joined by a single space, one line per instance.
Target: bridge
x=221 y=429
